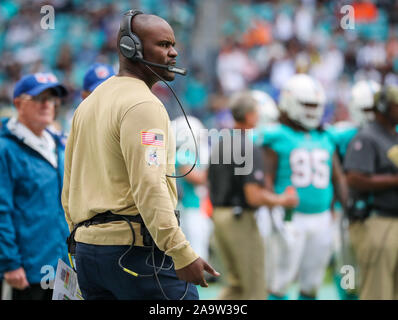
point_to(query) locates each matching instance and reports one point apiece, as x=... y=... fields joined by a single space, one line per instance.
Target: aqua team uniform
x=195 y=224
x=342 y=136
x=303 y=246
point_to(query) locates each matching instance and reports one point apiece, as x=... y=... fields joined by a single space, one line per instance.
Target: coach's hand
x=194 y=272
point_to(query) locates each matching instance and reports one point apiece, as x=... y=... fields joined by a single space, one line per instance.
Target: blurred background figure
x=192 y=189
x=94 y=76
x=371 y=164
x=267 y=109
x=301 y=155
x=268 y=116
x=361 y=107
x=32 y=223
x=235 y=199
x=361 y=111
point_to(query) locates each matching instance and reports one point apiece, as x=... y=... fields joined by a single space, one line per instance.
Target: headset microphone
x=174 y=69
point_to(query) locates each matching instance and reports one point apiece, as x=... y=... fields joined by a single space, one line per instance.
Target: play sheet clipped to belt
x=66 y=286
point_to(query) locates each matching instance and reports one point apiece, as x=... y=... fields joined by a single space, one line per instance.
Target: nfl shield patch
x=153 y=158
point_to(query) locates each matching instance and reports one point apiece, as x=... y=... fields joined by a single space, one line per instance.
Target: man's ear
x=17 y=103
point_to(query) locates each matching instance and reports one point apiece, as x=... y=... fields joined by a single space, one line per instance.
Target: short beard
x=169 y=76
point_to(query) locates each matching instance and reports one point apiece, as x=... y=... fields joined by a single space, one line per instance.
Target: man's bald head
x=145 y=24
x=157 y=40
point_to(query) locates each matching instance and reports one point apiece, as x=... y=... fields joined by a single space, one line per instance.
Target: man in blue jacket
x=32 y=224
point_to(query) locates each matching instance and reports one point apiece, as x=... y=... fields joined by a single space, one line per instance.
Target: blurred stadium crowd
x=85 y=32
x=258 y=44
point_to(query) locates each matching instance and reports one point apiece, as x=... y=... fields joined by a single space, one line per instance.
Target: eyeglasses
x=42 y=99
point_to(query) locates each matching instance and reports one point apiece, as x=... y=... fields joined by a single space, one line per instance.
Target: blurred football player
x=267 y=108
x=192 y=188
x=361 y=110
x=301 y=155
x=371 y=165
x=268 y=116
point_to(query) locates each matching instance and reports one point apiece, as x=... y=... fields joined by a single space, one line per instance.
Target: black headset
x=130 y=44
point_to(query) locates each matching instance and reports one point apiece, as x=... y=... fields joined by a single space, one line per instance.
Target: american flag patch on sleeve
x=152 y=139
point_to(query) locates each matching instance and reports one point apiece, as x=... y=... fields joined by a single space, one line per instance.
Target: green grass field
x=328 y=291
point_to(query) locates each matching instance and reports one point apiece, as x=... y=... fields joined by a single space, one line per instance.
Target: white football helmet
x=362 y=100
x=267 y=109
x=303 y=99
x=184 y=139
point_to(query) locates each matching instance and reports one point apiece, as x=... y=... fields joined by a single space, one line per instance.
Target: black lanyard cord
x=186 y=119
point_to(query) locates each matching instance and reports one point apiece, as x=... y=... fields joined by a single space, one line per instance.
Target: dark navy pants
x=101 y=278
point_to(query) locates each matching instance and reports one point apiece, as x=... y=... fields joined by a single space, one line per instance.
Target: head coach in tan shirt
x=119 y=160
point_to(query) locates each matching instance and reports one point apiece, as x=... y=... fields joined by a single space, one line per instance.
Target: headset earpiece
x=130 y=44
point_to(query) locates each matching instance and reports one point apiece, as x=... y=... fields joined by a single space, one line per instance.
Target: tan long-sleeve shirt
x=118 y=153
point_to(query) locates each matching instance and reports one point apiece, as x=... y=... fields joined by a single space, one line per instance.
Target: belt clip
x=146 y=236
x=87 y=223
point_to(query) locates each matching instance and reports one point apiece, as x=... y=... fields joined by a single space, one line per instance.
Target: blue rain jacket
x=33 y=228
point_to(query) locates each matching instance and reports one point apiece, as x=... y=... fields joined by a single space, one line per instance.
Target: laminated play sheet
x=66 y=286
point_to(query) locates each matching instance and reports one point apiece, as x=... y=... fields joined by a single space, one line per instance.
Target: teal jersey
x=305 y=162
x=342 y=136
x=189 y=195
x=256 y=135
